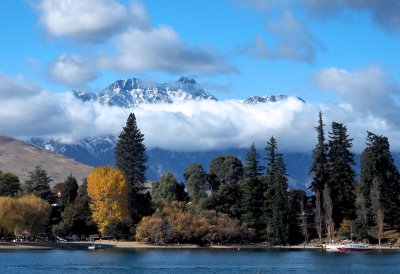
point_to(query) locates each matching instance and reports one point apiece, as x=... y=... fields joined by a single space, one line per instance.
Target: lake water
x=197 y=261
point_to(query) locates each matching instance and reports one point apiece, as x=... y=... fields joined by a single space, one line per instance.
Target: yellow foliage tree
x=108 y=192
x=23 y=216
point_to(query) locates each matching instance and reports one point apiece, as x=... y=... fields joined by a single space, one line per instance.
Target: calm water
x=197 y=261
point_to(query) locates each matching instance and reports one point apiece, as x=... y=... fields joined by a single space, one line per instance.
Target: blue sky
x=327 y=52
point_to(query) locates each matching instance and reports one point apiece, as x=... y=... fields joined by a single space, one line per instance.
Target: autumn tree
x=9 y=184
x=23 y=216
x=130 y=157
x=196 y=181
x=180 y=223
x=167 y=190
x=38 y=184
x=107 y=189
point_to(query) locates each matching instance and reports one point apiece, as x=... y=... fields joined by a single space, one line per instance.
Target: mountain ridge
x=20 y=158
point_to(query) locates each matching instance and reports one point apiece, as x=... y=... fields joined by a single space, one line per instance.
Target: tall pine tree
x=320 y=160
x=341 y=174
x=276 y=205
x=252 y=192
x=38 y=184
x=130 y=157
x=377 y=164
x=69 y=192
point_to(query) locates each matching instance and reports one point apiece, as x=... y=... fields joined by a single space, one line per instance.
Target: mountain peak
x=267 y=99
x=187 y=81
x=132 y=92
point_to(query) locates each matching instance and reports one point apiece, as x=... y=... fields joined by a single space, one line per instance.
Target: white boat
x=333 y=246
x=354 y=247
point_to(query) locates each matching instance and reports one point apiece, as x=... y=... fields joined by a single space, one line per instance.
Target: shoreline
x=110 y=244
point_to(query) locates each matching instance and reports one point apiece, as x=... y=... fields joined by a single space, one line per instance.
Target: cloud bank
x=27 y=111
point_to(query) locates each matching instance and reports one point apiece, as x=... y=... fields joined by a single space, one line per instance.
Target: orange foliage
x=25 y=215
x=179 y=223
x=108 y=192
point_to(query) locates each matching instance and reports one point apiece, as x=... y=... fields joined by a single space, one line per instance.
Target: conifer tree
x=130 y=157
x=9 y=184
x=167 y=190
x=320 y=160
x=341 y=174
x=38 y=184
x=280 y=210
x=377 y=164
x=196 y=180
x=225 y=174
x=252 y=192
x=69 y=192
x=276 y=203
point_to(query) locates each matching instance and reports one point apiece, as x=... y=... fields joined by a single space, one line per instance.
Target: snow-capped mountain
x=132 y=92
x=91 y=151
x=253 y=100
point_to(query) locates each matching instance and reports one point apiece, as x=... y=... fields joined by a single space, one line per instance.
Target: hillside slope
x=20 y=158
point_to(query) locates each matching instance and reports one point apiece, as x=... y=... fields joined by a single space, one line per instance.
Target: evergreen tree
x=69 y=192
x=9 y=184
x=276 y=206
x=320 y=160
x=252 y=192
x=196 y=180
x=38 y=184
x=167 y=190
x=225 y=174
x=130 y=157
x=280 y=210
x=377 y=163
x=341 y=174
x=77 y=217
x=224 y=169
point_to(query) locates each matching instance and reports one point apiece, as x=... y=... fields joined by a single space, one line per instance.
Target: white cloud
x=89 y=20
x=28 y=111
x=73 y=70
x=369 y=91
x=161 y=49
x=293 y=41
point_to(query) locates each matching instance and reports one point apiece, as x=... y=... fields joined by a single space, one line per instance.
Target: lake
x=197 y=261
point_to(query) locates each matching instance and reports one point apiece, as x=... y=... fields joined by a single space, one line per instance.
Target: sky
x=341 y=57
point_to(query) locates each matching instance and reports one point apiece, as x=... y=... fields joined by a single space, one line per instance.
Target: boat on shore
x=332 y=246
x=354 y=247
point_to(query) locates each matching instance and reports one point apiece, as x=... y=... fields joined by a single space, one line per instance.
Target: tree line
x=234 y=201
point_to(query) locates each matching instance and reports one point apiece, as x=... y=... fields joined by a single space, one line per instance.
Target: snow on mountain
x=132 y=92
x=267 y=99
